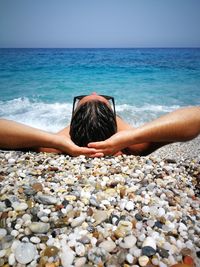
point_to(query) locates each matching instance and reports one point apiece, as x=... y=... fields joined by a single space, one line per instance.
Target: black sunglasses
x=78 y=98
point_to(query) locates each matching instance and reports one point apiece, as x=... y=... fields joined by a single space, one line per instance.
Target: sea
x=37 y=86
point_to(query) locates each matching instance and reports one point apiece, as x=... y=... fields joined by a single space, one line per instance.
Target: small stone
x=138 y=217
x=30 y=203
x=3 y=233
x=35 y=239
x=148 y=251
x=19 y=206
x=108 y=245
x=80 y=249
x=50 y=251
x=188 y=260
x=149 y=241
x=89 y=211
x=158 y=224
x=143 y=260
x=39 y=227
x=37 y=187
x=100 y=216
x=80 y=262
x=129 y=258
x=11 y=259
x=77 y=221
x=128 y=242
x=129 y=205
x=11 y=161
x=25 y=252
x=186 y=251
x=163 y=252
x=67 y=256
x=46 y=199
x=145 y=209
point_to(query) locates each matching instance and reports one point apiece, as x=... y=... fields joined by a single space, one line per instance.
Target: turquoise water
x=37 y=85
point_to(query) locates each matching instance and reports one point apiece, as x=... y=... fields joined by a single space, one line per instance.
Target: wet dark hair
x=91 y=122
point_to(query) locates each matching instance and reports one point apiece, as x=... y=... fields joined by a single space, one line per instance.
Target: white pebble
x=2 y=253
x=17 y=226
x=139 y=225
x=149 y=241
x=44 y=219
x=128 y=242
x=35 y=239
x=11 y=161
x=129 y=205
x=77 y=221
x=67 y=256
x=19 y=206
x=80 y=262
x=80 y=249
x=3 y=232
x=143 y=260
x=108 y=245
x=160 y=212
x=129 y=258
x=26 y=217
x=14 y=233
x=25 y=252
x=145 y=209
x=11 y=259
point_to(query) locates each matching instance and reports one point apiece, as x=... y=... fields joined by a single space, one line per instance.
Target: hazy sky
x=99 y=23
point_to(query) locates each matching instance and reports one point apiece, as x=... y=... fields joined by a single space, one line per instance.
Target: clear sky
x=99 y=23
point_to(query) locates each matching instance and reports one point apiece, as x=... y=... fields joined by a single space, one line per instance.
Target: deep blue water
x=37 y=85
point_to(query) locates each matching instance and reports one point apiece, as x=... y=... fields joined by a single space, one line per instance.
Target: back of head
x=91 y=122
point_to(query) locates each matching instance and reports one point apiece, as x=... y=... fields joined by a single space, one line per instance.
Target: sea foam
x=55 y=116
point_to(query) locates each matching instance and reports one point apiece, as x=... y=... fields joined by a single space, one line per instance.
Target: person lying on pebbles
x=96 y=130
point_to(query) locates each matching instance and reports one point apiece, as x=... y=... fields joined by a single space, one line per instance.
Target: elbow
x=191 y=134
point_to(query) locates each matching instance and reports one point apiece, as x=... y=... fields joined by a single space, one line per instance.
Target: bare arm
x=15 y=135
x=177 y=126
x=142 y=149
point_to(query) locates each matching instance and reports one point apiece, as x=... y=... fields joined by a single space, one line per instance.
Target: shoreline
x=124 y=211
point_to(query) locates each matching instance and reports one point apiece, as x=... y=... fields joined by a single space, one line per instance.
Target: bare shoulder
x=64 y=131
x=122 y=125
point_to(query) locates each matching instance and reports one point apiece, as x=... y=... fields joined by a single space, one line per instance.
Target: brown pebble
x=37 y=187
x=131 y=195
x=30 y=203
x=89 y=212
x=188 y=260
x=59 y=207
x=133 y=224
x=20 y=190
x=51 y=251
x=95 y=234
x=48 y=264
x=4 y=215
x=181 y=265
x=53 y=169
x=122 y=192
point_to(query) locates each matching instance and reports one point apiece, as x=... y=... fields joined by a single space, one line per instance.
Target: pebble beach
x=56 y=210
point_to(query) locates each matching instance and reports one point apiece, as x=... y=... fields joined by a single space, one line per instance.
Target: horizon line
x=142 y=47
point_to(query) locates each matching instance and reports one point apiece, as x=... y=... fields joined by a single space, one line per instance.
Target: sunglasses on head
x=78 y=98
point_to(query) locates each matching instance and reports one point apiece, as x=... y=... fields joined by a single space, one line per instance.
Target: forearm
x=180 y=125
x=15 y=135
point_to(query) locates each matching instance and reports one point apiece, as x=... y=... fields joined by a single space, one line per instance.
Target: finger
x=102 y=144
x=118 y=153
x=87 y=150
